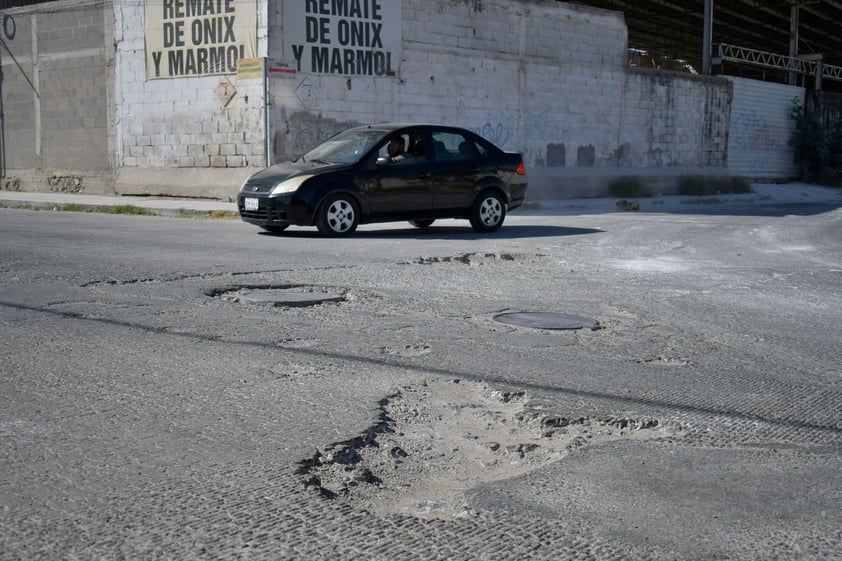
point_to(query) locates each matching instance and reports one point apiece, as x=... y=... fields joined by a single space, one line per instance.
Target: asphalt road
x=149 y=412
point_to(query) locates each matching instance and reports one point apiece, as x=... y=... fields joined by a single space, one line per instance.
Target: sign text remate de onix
x=347 y=37
x=198 y=37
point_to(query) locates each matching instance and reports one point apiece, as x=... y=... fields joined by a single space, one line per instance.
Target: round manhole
x=286 y=296
x=548 y=320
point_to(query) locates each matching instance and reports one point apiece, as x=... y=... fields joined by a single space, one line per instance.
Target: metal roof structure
x=755 y=35
x=674 y=30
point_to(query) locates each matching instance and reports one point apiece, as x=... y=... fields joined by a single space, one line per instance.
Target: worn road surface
x=181 y=389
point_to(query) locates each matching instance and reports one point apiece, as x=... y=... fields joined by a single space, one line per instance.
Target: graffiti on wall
x=498 y=133
x=751 y=130
x=756 y=142
x=300 y=132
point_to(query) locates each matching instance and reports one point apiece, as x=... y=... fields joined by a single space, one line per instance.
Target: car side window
x=452 y=146
x=412 y=149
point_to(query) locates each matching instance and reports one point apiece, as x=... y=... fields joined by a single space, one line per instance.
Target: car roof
x=388 y=127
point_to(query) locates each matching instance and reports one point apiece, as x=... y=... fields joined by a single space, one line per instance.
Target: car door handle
x=424 y=175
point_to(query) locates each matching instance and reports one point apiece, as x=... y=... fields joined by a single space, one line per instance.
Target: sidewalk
x=165 y=206
x=763 y=194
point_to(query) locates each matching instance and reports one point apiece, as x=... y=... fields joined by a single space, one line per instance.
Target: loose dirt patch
x=436 y=440
x=476 y=259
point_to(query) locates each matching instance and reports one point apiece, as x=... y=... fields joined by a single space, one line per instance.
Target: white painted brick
x=566 y=88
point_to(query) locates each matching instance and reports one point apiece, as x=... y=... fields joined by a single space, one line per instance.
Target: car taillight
x=521 y=169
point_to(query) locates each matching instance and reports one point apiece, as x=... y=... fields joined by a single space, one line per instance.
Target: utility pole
x=708 y=38
x=794 y=14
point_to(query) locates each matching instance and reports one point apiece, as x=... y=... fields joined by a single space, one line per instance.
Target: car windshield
x=344 y=148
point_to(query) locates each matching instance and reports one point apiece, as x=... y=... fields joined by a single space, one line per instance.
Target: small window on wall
x=455 y=146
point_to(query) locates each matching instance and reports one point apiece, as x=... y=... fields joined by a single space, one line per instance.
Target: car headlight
x=290 y=185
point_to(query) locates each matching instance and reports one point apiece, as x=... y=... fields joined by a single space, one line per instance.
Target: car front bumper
x=282 y=210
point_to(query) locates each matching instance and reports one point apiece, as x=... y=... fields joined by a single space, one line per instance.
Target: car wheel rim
x=340 y=216
x=490 y=211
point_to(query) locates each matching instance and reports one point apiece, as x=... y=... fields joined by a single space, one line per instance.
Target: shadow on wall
x=9 y=31
x=3 y=48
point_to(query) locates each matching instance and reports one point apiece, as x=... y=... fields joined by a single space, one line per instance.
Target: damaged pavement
x=191 y=389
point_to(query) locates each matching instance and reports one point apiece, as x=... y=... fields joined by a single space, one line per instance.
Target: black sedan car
x=390 y=172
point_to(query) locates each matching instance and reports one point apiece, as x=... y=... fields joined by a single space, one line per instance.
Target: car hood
x=284 y=170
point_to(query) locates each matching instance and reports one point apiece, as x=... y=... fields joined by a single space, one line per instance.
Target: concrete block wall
x=20 y=100
x=673 y=119
x=57 y=118
x=177 y=136
x=542 y=77
x=502 y=69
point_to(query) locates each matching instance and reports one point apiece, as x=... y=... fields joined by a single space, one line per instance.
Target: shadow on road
x=449 y=232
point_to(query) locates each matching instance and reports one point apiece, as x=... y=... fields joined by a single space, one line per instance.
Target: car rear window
x=455 y=146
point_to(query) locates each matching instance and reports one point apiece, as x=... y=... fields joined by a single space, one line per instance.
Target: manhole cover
x=548 y=320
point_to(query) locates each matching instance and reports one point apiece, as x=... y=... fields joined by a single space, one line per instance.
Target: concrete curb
x=163 y=206
x=170 y=206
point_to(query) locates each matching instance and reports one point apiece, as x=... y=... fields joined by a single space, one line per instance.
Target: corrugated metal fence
x=761 y=126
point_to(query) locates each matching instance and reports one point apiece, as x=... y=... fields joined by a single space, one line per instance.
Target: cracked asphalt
x=145 y=416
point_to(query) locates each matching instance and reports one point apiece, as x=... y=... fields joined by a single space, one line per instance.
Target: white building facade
x=194 y=95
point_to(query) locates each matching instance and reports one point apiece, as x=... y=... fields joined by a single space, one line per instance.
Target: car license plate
x=251 y=203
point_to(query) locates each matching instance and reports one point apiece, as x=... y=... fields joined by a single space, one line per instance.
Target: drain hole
x=285 y=296
x=548 y=320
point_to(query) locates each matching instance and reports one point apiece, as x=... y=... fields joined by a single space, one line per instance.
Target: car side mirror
x=383 y=161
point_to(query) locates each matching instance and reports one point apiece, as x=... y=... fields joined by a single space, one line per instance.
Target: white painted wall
x=538 y=76
x=170 y=129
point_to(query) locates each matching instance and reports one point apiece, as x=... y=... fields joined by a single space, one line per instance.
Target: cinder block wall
x=57 y=116
x=546 y=78
x=542 y=77
x=178 y=136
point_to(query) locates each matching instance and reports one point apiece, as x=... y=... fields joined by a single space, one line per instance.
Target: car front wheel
x=338 y=216
x=488 y=212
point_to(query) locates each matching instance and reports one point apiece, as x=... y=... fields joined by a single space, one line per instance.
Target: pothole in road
x=548 y=320
x=479 y=259
x=278 y=295
x=435 y=441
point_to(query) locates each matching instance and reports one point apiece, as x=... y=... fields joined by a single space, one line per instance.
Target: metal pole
x=794 y=14
x=267 y=139
x=819 y=71
x=708 y=39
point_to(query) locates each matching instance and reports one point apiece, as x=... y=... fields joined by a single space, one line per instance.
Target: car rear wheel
x=488 y=212
x=422 y=223
x=338 y=216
